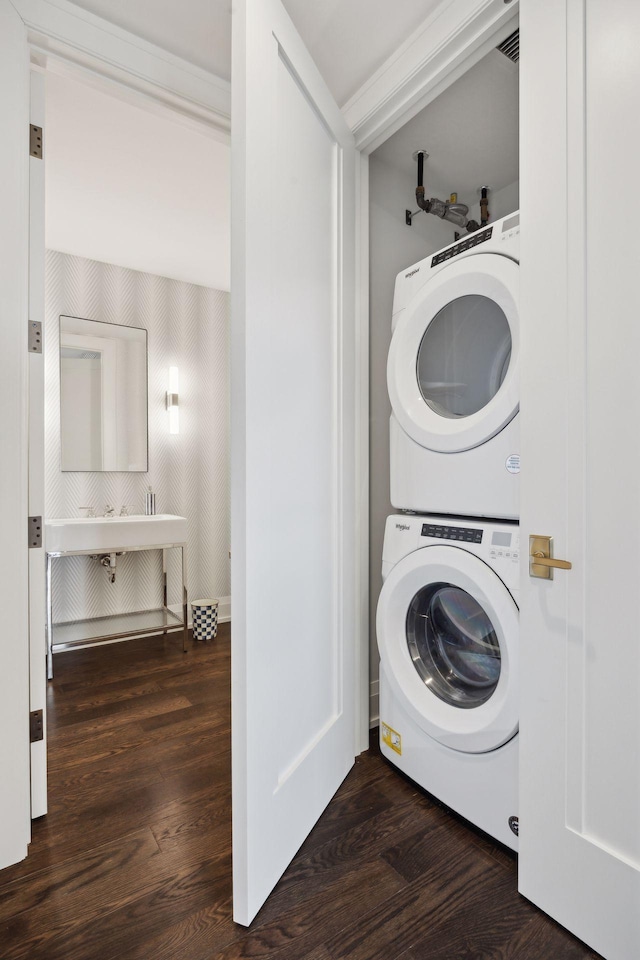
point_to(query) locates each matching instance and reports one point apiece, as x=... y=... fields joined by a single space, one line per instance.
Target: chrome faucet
x=124 y=512
x=109 y=511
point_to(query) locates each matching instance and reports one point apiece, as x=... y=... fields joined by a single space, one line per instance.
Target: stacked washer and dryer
x=447 y=620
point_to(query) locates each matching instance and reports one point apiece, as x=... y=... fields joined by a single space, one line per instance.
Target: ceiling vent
x=511 y=46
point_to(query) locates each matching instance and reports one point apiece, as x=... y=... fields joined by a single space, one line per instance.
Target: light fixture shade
x=172 y=401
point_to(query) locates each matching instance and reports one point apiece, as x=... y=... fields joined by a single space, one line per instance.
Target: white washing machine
x=452 y=375
x=447 y=627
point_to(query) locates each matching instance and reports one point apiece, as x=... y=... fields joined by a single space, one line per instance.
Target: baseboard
x=224 y=609
x=374 y=703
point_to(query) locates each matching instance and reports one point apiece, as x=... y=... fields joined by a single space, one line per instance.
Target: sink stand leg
x=185 y=620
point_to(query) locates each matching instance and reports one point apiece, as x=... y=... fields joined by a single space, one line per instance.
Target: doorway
x=136 y=235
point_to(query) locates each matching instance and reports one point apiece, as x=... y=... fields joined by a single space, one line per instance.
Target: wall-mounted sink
x=107 y=534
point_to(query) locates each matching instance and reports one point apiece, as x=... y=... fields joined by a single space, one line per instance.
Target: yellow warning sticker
x=392 y=738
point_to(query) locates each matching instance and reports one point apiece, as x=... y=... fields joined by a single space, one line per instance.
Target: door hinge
x=35 y=336
x=35 y=141
x=35 y=531
x=36 y=726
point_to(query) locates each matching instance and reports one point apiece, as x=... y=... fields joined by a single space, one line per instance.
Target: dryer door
x=452 y=371
x=448 y=638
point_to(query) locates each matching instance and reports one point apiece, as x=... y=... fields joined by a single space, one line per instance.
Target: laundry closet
x=471 y=137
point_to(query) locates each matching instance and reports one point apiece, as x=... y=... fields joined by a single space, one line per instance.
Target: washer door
x=447 y=635
x=452 y=371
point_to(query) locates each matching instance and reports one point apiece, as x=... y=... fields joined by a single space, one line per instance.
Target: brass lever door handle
x=541 y=560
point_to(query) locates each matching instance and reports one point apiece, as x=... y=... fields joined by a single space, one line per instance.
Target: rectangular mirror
x=103 y=396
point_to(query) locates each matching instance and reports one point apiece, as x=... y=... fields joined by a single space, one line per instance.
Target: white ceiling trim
x=457 y=34
x=64 y=32
x=453 y=38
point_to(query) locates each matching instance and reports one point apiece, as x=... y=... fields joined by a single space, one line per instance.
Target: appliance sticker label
x=391 y=737
x=512 y=463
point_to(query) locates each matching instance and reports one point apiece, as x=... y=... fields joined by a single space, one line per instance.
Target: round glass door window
x=453 y=645
x=464 y=356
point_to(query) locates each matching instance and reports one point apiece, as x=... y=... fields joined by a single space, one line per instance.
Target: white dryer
x=447 y=626
x=452 y=375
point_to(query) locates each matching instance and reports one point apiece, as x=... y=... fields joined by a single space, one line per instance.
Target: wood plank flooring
x=133 y=860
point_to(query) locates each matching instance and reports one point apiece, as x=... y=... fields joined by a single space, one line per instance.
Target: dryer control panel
x=471 y=241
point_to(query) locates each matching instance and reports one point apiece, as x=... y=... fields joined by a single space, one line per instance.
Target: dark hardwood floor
x=133 y=860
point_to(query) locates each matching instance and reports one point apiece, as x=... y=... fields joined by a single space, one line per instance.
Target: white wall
x=187 y=327
x=133 y=188
x=393 y=247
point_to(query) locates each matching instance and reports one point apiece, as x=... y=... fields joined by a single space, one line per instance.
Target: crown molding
x=455 y=36
x=64 y=36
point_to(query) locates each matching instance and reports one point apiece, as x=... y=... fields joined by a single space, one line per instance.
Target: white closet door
x=580 y=415
x=14 y=568
x=293 y=448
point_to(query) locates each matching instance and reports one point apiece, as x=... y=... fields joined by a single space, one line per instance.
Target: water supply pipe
x=453 y=212
x=484 y=206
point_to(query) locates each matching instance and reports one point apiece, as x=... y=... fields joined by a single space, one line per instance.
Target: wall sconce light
x=172 y=401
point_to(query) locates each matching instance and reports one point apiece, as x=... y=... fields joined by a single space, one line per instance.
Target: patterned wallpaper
x=189 y=472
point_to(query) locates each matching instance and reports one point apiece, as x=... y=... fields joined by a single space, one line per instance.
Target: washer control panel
x=464 y=534
x=505 y=545
x=495 y=542
x=471 y=241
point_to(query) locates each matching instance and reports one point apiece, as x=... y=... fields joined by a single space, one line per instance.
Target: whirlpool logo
x=402 y=526
x=411 y=272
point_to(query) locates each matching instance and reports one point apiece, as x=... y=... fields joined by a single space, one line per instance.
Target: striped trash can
x=204 y=615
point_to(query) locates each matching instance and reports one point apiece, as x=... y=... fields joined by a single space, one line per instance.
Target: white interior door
x=293 y=448
x=580 y=679
x=14 y=568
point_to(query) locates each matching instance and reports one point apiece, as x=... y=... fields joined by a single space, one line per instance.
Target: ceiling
x=348 y=39
x=470 y=133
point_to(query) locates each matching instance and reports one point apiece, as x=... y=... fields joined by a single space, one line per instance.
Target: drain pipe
x=453 y=212
x=108 y=560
